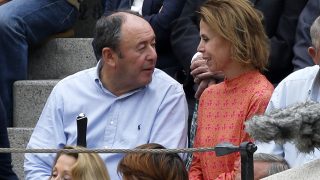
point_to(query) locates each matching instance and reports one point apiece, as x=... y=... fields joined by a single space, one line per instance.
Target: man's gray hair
x=277 y=163
x=107 y=32
x=315 y=33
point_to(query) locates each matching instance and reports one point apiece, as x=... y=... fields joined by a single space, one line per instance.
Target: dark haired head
x=107 y=31
x=149 y=166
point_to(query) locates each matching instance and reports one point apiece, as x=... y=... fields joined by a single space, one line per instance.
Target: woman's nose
x=200 y=47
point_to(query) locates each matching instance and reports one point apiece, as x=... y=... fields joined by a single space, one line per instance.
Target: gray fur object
x=299 y=124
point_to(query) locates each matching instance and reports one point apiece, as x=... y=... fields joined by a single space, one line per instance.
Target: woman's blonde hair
x=241 y=25
x=88 y=166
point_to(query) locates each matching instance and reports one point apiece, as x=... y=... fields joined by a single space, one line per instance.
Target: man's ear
x=109 y=56
x=313 y=53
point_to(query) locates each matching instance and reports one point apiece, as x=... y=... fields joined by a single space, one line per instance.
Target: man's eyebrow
x=145 y=41
x=153 y=38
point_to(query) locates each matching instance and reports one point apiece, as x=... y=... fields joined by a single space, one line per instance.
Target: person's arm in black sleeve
x=185 y=39
x=185 y=36
x=162 y=19
x=302 y=39
x=107 y=5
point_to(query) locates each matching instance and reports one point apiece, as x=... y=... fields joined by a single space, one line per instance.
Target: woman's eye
x=205 y=39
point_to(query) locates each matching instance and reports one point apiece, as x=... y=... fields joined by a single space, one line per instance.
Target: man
x=264 y=165
x=268 y=164
x=5 y=159
x=24 y=23
x=300 y=86
x=127 y=101
x=160 y=14
x=303 y=41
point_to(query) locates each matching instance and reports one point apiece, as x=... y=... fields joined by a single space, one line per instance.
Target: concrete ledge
x=60 y=57
x=29 y=98
x=19 y=138
x=309 y=171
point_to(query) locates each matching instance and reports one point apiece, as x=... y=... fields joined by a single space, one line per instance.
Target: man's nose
x=152 y=54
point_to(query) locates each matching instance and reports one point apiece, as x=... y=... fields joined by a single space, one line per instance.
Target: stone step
x=29 y=98
x=60 y=57
x=19 y=138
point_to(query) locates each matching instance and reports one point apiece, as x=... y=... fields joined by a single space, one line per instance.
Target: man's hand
x=202 y=75
x=203 y=85
x=199 y=69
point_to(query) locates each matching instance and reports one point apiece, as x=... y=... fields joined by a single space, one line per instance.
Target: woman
x=149 y=166
x=79 y=166
x=232 y=41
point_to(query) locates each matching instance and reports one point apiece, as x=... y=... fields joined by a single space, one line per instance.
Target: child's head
x=150 y=166
x=80 y=166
